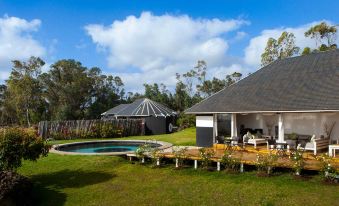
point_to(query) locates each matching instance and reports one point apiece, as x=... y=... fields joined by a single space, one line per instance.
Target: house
x=157 y=118
x=298 y=95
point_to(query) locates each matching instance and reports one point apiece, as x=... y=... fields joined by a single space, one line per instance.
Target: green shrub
x=185 y=121
x=180 y=154
x=17 y=144
x=266 y=163
x=14 y=189
x=109 y=131
x=156 y=155
x=206 y=155
x=330 y=173
x=298 y=161
x=228 y=161
x=142 y=151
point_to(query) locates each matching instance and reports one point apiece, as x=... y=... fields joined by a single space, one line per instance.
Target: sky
x=150 y=41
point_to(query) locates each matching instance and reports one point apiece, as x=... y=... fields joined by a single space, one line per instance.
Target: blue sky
x=160 y=39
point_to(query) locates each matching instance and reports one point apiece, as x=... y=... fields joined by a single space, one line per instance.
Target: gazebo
x=157 y=118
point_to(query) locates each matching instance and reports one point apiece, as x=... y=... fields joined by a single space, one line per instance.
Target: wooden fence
x=91 y=128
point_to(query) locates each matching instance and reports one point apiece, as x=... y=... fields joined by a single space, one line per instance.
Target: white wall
x=311 y=123
x=258 y=121
x=204 y=121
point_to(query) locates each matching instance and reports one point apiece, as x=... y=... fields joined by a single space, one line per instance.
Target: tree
x=280 y=48
x=159 y=94
x=24 y=91
x=68 y=89
x=324 y=35
x=307 y=50
x=107 y=92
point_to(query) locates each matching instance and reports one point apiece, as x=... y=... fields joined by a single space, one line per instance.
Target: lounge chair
x=315 y=144
x=253 y=140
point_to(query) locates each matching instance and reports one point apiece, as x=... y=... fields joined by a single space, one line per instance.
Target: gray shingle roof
x=115 y=110
x=141 y=107
x=303 y=83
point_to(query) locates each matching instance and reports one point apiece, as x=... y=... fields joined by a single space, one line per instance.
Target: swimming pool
x=106 y=147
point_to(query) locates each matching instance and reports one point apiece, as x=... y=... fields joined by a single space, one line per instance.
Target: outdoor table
x=332 y=148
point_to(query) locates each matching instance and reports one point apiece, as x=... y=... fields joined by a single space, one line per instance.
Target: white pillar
x=234 y=129
x=195 y=164
x=176 y=162
x=215 y=128
x=241 y=167
x=158 y=161
x=218 y=166
x=281 y=135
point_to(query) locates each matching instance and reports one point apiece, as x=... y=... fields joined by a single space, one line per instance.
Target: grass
x=105 y=180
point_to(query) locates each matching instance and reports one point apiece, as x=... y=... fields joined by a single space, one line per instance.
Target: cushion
x=313 y=138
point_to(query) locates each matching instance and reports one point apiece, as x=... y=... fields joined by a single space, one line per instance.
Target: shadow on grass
x=46 y=196
x=72 y=178
x=47 y=186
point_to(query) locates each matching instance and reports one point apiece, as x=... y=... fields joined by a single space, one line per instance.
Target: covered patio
x=291 y=103
x=312 y=131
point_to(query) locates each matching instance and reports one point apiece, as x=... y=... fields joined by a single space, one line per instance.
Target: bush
x=180 y=154
x=142 y=151
x=17 y=144
x=230 y=163
x=14 y=189
x=330 y=173
x=298 y=161
x=266 y=163
x=185 y=121
x=156 y=154
x=206 y=155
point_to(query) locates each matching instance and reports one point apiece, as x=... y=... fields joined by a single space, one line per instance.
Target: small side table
x=332 y=148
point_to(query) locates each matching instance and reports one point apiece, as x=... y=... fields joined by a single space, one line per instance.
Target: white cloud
x=257 y=44
x=16 y=42
x=160 y=46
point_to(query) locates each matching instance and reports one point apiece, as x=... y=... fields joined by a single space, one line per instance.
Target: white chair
x=316 y=144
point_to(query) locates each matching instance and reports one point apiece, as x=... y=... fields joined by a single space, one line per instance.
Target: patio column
x=215 y=128
x=234 y=129
x=281 y=134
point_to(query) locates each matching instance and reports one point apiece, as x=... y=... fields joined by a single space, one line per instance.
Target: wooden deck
x=248 y=156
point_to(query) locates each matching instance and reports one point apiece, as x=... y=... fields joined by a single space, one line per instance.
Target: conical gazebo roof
x=141 y=107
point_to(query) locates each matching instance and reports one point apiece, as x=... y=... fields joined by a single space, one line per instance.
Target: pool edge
x=164 y=145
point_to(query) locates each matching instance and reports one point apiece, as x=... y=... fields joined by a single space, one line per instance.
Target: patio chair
x=235 y=141
x=270 y=144
x=253 y=140
x=315 y=144
x=220 y=139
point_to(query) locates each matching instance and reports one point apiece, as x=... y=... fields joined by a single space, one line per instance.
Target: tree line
x=285 y=46
x=71 y=91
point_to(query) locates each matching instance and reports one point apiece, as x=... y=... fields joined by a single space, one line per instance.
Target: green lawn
x=184 y=137
x=104 y=180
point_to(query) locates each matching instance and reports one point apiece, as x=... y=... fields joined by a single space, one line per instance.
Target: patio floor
x=248 y=156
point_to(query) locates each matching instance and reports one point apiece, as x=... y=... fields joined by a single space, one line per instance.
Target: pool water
x=101 y=147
